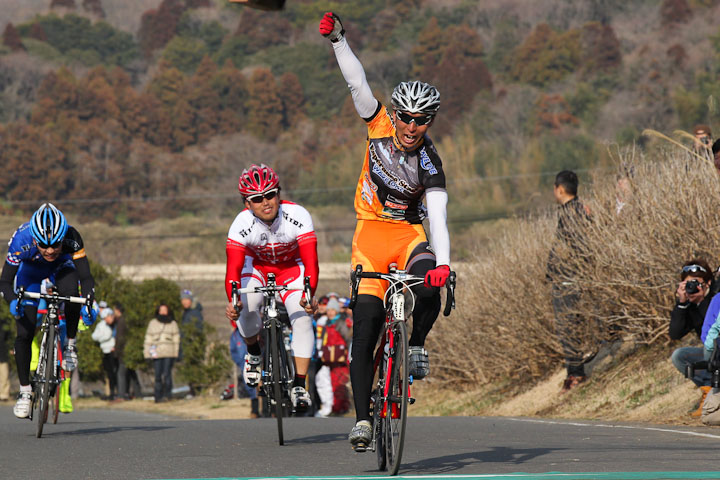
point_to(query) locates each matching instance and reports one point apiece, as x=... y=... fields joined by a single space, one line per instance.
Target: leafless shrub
x=504 y=324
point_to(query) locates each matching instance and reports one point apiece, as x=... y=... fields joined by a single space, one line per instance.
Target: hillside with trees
x=126 y=120
x=125 y=113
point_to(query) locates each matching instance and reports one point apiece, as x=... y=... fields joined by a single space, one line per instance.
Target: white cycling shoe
x=300 y=399
x=361 y=436
x=23 y=405
x=251 y=372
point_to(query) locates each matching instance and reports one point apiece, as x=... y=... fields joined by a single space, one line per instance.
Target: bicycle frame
x=392 y=395
x=276 y=354
x=48 y=372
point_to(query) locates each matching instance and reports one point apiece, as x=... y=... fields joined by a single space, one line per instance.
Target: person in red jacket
x=272 y=236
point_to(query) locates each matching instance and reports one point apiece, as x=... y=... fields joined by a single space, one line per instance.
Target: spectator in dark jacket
x=127 y=377
x=192 y=309
x=569 y=251
x=692 y=299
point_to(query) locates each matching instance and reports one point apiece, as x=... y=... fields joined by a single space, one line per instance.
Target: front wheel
x=397 y=401
x=45 y=380
x=276 y=378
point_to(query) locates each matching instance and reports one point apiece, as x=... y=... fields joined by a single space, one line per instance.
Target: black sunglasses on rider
x=419 y=121
x=693 y=269
x=258 y=198
x=55 y=245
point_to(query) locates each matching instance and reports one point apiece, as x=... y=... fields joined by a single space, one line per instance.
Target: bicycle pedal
x=360 y=447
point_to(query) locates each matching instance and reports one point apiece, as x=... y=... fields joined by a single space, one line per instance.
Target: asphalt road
x=97 y=444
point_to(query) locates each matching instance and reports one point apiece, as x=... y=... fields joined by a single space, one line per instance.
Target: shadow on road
x=108 y=430
x=451 y=463
x=324 y=438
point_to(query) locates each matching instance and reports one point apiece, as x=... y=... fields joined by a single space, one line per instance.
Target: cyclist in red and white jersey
x=272 y=236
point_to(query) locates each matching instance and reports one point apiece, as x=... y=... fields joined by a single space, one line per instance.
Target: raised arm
x=437 y=215
x=352 y=70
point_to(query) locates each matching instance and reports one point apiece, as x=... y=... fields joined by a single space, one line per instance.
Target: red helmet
x=257 y=179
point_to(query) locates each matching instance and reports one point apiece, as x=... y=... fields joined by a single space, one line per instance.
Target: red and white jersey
x=276 y=243
x=288 y=241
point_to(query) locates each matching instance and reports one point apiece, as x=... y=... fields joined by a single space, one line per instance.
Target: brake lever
x=354 y=285
x=235 y=296
x=307 y=290
x=450 y=299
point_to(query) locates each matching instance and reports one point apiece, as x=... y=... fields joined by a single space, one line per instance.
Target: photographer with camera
x=692 y=296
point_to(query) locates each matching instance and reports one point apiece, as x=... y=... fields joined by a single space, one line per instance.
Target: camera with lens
x=692 y=286
x=705 y=140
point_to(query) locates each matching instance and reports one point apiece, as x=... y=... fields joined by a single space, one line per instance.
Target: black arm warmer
x=87 y=282
x=7 y=277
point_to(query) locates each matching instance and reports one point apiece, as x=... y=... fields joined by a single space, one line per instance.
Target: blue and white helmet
x=416 y=97
x=48 y=225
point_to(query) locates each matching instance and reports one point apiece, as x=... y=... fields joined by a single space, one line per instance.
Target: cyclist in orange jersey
x=401 y=166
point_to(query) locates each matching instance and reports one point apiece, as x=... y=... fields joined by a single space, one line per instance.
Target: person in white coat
x=104 y=334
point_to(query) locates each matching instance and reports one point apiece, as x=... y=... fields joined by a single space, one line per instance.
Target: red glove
x=331 y=27
x=437 y=276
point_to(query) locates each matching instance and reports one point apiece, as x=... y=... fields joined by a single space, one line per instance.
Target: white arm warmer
x=437 y=214
x=365 y=103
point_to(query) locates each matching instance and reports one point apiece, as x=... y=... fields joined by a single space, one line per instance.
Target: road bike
x=48 y=375
x=391 y=396
x=278 y=369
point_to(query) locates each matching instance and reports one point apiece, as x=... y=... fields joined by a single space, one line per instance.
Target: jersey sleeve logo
x=289 y=219
x=426 y=163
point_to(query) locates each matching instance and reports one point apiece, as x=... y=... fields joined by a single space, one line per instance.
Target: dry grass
x=629 y=385
x=504 y=325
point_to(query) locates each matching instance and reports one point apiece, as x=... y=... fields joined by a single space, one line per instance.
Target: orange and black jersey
x=393 y=180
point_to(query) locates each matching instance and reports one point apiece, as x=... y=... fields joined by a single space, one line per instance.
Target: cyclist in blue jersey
x=45 y=247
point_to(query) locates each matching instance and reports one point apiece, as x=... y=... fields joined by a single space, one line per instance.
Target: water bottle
x=286 y=337
x=153 y=351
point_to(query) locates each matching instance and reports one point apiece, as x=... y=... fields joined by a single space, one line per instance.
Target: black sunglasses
x=55 y=245
x=693 y=269
x=258 y=198
x=419 y=121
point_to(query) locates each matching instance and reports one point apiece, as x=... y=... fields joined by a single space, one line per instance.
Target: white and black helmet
x=416 y=97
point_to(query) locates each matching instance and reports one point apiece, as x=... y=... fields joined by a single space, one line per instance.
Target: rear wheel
x=46 y=378
x=55 y=405
x=287 y=374
x=398 y=391
x=276 y=378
